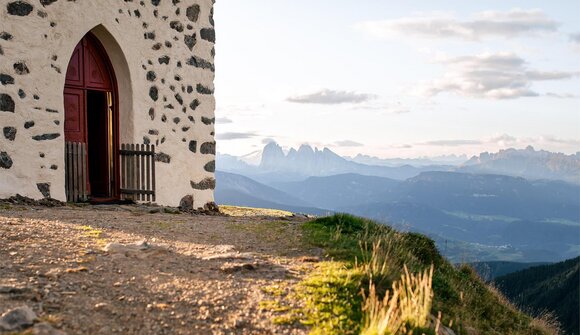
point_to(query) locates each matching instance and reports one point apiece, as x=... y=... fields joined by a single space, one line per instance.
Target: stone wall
x=162 y=53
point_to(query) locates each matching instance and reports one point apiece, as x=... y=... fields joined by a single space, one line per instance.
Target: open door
x=91 y=119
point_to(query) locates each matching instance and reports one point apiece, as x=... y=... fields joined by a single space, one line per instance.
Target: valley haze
x=513 y=205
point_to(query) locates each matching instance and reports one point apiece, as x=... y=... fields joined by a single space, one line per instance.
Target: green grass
x=331 y=295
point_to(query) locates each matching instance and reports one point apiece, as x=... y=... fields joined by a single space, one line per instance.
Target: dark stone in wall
x=19 y=8
x=151 y=76
x=190 y=41
x=206 y=184
x=6 y=103
x=192 y=13
x=6 y=79
x=211 y=17
x=21 y=68
x=176 y=25
x=52 y=110
x=44 y=188
x=189 y=88
x=194 y=104
x=156 y=46
x=155 y=2
x=162 y=157
x=176 y=120
x=1 y=50
x=149 y=35
x=164 y=60
x=203 y=89
x=152 y=113
x=193 y=146
x=5 y=160
x=154 y=93
x=207 y=121
x=208 y=34
x=153 y=132
x=54 y=167
x=47 y=2
x=46 y=137
x=200 y=63
x=28 y=124
x=208 y=148
x=6 y=36
x=210 y=167
x=9 y=133
x=21 y=94
x=179 y=99
x=186 y=204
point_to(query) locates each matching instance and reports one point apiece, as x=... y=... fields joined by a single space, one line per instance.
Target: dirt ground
x=125 y=270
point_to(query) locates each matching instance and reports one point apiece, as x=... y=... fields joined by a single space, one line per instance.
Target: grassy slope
x=332 y=294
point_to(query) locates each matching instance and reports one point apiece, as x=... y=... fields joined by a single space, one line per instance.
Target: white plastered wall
x=44 y=39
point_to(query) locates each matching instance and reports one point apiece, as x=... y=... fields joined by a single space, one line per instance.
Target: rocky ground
x=141 y=270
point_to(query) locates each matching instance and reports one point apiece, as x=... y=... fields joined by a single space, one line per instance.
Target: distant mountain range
x=272 y=164
x=424 y=161
x=553 y=288
x=527 y=163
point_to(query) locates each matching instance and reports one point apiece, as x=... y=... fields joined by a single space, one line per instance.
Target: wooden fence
x=138 y=172
x=76 y=172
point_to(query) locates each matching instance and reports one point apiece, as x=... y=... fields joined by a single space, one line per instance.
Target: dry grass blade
x=415 y=297
x=381 y=317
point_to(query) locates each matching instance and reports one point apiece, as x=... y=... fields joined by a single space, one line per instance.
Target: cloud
x=490 y=76
x=223 y=120
x=562 y=95
x=235 y=136
x=451 y=143
x=348 y=143
x=331 y=97
x=516 y=22
x=383 y=108
x=268 y=140
x=575 y=38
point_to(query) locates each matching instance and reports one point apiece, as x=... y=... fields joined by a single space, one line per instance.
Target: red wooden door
x=89 y=79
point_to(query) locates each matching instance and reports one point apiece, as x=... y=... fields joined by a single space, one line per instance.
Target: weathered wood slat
x=138 y=172
x=148 y=170
x=75 y=171
x=153 y=172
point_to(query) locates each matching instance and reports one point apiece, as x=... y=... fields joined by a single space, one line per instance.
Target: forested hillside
x=551 y=288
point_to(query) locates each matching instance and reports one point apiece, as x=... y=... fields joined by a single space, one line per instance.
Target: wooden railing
x=76 y=172
x=138 y=172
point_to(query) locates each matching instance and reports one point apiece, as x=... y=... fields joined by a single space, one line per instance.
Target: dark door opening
x=98 y=143
x=91 y=119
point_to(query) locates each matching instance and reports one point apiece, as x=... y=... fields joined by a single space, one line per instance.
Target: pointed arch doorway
x=91 y=117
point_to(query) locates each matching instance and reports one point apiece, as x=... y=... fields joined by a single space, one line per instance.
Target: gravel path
x=123 y=270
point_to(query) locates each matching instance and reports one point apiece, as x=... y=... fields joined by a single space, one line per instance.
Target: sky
x=398 y=79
